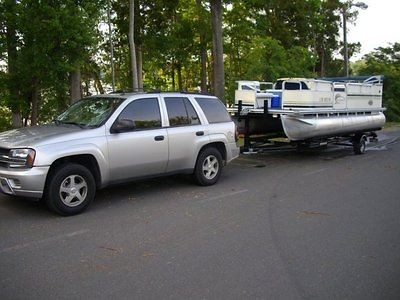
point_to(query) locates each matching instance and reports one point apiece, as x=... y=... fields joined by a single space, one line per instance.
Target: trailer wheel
x=359 y=144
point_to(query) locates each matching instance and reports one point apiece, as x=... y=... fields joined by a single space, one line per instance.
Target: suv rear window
x=181 y=112
x=214 y=110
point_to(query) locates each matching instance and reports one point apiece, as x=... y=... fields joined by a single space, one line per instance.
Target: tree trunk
x=203 y=49
x=140 y=67
x=203 y=71
x=16 y=119
x=173 y=78
x=35 y=107
x=75 y=86
x=98 y=84
x=322 y=62
x=210 y=73
x=111 y=45
x=85 y=88
x=95 y=73
x=34 y=102
x=179 y=71
x=138 y=42
x=14 y=102
x=218 y=52
x=134 y=70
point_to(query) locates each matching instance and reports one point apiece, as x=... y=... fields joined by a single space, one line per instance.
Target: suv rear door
x=186 y=134
x=143 y=151
x=218 y=118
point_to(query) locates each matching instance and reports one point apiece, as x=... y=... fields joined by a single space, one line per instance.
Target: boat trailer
x=277 y=141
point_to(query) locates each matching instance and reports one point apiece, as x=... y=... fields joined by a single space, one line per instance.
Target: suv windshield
x=89 y=112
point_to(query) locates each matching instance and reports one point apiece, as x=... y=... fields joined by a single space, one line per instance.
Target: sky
x=377 y=26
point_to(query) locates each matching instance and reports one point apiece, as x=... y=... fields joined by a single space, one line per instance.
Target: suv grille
x=4 y=159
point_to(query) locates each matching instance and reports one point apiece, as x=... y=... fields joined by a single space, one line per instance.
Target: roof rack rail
x=125 y=91
x=181 y=92
x=118 y=92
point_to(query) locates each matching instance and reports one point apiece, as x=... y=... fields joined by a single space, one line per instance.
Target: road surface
x=312 y=225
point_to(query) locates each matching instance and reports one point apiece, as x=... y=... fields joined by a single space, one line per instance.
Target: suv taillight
x=236 y=134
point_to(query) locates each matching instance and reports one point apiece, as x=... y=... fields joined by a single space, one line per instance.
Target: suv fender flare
x=219 y=144
x=50 y=156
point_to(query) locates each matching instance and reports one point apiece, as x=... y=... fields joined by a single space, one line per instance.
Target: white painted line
x=314 y=172
x=223 y=196
x=50 y=239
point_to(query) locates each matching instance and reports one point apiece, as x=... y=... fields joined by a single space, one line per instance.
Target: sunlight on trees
x=53 y=53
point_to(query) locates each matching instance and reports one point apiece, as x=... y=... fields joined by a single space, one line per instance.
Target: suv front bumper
x=23 y=182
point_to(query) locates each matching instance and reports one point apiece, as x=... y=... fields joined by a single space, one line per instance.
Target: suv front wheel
x=70 y=190
x=208 y=167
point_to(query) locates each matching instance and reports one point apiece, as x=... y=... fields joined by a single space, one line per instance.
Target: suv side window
x=145 y=113
x=181 y=111
x=193 y=117
x=214 y=110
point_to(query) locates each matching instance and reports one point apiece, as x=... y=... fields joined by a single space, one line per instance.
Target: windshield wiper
x=83 y=126
x=58 y=122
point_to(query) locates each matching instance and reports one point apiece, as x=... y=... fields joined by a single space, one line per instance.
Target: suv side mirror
x=122 y=125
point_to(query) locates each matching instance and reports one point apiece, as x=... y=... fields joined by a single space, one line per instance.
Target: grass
x=392 y=124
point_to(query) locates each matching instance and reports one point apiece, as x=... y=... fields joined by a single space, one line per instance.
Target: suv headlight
x=21 y=158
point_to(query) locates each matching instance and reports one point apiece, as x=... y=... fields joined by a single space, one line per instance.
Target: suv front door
x=143 y=150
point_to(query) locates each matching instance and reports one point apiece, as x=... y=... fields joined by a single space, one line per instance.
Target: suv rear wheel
x=70 y=190
x=208 y=167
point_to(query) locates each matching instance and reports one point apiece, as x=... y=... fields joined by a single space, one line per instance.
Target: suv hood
x=30 y=136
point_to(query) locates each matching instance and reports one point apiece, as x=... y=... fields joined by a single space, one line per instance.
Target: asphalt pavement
x=318 y=224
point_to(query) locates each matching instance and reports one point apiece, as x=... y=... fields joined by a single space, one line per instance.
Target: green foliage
x=312 y=25
x=52 y=39
x=263 y=40
x=5 y=113
x=5 y=118
x=386 y=61
x=269 y=60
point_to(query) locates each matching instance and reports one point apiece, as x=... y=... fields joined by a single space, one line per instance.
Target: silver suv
x=107 y=139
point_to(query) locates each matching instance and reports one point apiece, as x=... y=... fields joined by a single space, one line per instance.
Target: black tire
x=208 y=167
x=302 y=146
x=359 y=144
x=70 y=189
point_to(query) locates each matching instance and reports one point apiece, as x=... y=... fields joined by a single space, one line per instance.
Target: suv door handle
x=200 y=133
x=159 y=138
